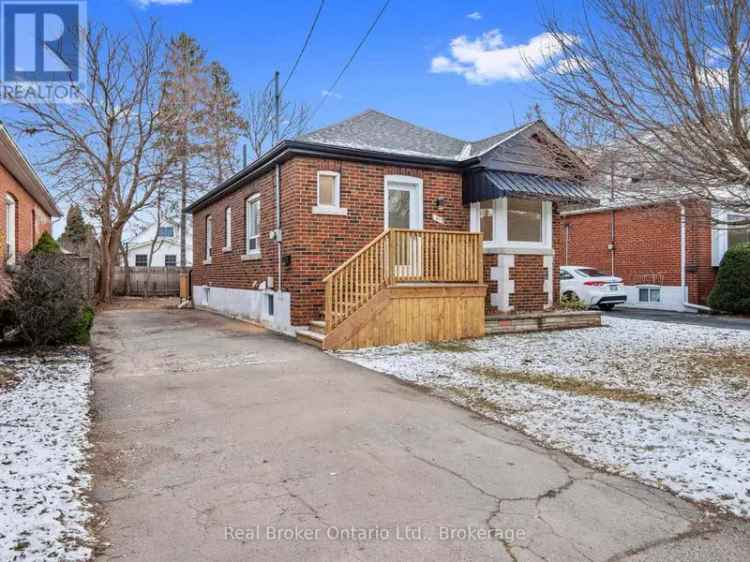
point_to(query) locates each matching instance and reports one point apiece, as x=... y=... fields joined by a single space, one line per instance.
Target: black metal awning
x=483 y=184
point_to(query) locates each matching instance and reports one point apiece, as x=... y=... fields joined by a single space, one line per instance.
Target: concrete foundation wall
x=247 y=304
x=671 y=299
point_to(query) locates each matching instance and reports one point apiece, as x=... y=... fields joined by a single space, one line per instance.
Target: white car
x=591 y=287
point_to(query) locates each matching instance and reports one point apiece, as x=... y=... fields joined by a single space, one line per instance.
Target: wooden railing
x=401 y=256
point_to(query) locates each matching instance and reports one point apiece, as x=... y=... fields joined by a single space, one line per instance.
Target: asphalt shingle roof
x=373 y=130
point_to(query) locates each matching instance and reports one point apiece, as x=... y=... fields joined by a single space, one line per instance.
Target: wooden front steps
x=406 y=312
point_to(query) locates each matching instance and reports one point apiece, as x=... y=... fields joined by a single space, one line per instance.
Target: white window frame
x=405 y=183
x=336 y=208
x=209 y=239
x=649 y=288
x=227 y=229
x=10 y=230
x=255 y=253
x=720 y=237
x=500 y=240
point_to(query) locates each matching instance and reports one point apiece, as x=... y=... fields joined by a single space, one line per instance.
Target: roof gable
x=534 y=149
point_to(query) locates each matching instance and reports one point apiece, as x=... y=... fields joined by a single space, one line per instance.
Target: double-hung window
x=141 y=260
x=209 y=238
x=228 y=228
x=252 y=225
x=514 y=224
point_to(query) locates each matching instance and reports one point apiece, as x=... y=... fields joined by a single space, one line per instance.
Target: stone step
x=310 y=337
x=318 y=326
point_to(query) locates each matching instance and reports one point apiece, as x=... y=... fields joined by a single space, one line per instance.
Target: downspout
x=683 y=264
x=278 y=235
x=612 y=243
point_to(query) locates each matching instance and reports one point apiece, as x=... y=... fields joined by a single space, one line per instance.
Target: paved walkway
x=210 y=432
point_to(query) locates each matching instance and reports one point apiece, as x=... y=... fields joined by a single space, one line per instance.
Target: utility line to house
x=304 y=45
x=346 y=66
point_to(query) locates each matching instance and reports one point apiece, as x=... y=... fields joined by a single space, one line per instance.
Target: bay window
x=514 y=223
x=737 y=234
x=525 y=220
x=487 y=220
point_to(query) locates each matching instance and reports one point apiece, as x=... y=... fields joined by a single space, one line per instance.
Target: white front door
x=403 y=209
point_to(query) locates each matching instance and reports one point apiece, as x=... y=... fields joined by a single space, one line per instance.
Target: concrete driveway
x=708 y=320
x=216 y=440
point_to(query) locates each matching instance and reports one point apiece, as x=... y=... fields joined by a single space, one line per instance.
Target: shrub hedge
x=731 y=293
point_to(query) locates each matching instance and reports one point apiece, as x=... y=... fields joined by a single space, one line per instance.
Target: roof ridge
x=416 y=125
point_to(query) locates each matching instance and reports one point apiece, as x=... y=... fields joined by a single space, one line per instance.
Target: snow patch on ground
x=43 y=447
x=666 y=403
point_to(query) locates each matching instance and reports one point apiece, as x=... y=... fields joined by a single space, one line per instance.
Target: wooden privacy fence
x=401 y=256
x=147 y=281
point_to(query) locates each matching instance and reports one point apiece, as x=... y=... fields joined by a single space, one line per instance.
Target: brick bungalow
x=265 y=239
x=28 y=208
x=667 y=253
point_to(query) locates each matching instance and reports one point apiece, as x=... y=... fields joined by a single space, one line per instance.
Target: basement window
x=649 y=295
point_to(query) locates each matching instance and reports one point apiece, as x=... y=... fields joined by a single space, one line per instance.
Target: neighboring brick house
x=264 y=240
x=667 y=253
x=28 y=208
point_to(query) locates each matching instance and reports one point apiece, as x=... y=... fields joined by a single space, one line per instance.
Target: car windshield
x=590 y=272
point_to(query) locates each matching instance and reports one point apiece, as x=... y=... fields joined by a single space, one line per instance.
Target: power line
x=330 y=90
x=304 y=45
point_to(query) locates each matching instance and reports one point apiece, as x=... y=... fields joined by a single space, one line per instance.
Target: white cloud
x=328 y=94
x=488 y=59
x=476 y=16
x=147 y=3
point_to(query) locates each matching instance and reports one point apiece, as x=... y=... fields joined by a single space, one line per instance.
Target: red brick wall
x=28 y=211
x=490 y=261
x=701 y=275
x=320 y=243
x=317 y=244
x=227 y=268
x=528 y=275
x=647 y=244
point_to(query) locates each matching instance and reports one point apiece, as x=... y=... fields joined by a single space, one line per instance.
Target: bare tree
x=103 y=151
x=665 y=83
x=259 y=126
